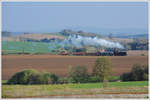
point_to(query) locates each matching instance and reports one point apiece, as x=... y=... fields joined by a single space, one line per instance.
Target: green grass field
x=28 y=47
x=17 y=91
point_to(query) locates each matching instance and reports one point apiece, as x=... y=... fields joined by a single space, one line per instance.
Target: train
x=98 y=53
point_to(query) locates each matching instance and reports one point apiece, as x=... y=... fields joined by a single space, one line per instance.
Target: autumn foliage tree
x=103 y=69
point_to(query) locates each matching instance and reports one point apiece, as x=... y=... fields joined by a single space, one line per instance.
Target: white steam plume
x=79 y=41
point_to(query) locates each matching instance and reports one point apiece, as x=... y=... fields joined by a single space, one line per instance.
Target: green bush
x=114 y=78
x=43 y=78
x=22 y=77
x=94 y=79
x=78 y=74
x=126 y=77
x=145 y=76
x=31 y=76
x=142 y=54
x=138 y=73
x=54 y=78
x=35 y=78
x=65 y=80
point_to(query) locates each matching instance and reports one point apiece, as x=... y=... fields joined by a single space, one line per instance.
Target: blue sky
x=94 y=17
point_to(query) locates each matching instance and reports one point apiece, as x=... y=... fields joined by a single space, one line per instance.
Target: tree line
x=102 y=72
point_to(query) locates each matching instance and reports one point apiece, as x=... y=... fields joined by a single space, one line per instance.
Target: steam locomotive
x=101 y=52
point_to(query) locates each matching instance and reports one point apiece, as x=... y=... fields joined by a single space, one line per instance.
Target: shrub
x=54 y=78
x=114 y=78
x=43 y=78
x=33 y=77
x=138 y=73
x=78 y=74
x=145 y=76
x=65 y=80
x=22 y=77
x=94 y=79
x=126 y=77
x=142 y=54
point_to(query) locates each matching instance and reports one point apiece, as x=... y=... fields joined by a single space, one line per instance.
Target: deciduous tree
x=103 y=69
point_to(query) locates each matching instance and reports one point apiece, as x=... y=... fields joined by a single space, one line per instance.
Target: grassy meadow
x=26 y=91
x=28 y=47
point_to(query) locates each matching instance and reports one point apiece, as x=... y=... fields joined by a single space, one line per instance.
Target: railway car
x=91 y=54
x=78 y=53
x=64 y=53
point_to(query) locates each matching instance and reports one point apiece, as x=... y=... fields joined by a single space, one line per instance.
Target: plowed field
x=60 y=64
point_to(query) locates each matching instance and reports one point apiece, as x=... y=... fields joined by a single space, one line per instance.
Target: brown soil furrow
x=59 y=64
